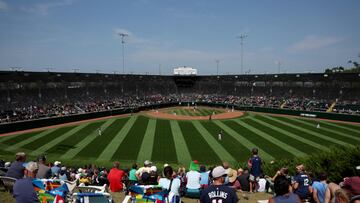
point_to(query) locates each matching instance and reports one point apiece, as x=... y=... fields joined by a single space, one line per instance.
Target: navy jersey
x=256 y=166
x=218 y=194
x=304 y=183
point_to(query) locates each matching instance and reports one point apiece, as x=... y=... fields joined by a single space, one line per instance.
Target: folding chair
x=8 y=183
x=92 y=198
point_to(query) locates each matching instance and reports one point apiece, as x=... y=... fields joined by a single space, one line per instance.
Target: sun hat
x=218 y=172
x=232 y=175
x=57 y=163
x=31 y=166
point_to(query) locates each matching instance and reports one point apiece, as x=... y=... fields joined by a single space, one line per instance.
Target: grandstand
x=72 y=93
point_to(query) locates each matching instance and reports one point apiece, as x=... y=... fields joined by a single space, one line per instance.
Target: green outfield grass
x=190 y=111
x=137 y=138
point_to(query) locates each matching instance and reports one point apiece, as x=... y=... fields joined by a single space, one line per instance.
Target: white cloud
x=311 y=42
x=43 y=8
x=3 y=5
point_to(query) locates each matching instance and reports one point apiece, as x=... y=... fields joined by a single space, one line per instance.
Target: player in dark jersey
x=218 y=192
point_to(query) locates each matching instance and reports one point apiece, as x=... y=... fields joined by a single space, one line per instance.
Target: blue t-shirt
x=16 y=170
x=321 y=190
x=256 y=166
x=304 y=183
x=204 y=178
x=24 y=191
x=288 y=198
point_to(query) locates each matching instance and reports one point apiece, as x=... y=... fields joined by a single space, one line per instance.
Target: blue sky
x=303 y=35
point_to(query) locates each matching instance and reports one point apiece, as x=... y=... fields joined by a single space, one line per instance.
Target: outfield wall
x=24 y=125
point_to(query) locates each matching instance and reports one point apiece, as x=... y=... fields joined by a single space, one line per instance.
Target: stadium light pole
x=279 y=66
x=242 y=37
x=123 y=35
x=217 y=66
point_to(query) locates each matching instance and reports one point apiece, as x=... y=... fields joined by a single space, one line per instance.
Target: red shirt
x=115 y=178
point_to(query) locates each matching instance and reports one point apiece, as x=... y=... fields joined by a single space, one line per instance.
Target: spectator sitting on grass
x=319 y=188
x=243 y=178
x=171 y=184
x=16 y=169
x=43 y=171
x=55 y=169
x=146 y=168
x=115 y=178
x=193 y=178
x=204 y=177
x=132 y=176
x=282 y=188
x=24 y=191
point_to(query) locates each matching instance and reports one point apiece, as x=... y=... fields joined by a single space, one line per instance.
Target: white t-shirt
x=262 y=185
x=175 y=186
x=193 y=180
x=142 y=170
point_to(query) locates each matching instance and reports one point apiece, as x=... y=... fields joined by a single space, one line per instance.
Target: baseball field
x=137 y=137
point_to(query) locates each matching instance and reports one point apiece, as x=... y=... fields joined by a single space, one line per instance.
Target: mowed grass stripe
x=213 y=143
x=114 y=141
x=147 y=142
x=20 y=144
x=312 y=130
x=264 y=144
x=334 y=127
x=97 y=145
x=235 y=148
x=56 y=141
x=13 y=139
x=182 y=151
x=333 y=131
x=164 y=148
x=46 y=139
x=198 y=147
x=294 y=129
x=87 y=139
x=355 y=126
x=130 y=146
x=295 y=140
x=71 y=141
x=274 y=138
x=241 y=139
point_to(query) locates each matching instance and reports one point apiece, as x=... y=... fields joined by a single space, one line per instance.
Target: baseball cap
x=147 y=162
x=218 y=172
x=153 y=168
x=56 y=163
x=31 y=166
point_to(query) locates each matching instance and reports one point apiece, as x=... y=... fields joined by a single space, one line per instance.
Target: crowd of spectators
x=208 y=184
x=31 y=106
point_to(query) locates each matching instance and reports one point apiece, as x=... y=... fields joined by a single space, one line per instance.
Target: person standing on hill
x=254 y=165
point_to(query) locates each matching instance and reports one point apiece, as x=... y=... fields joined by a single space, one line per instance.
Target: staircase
x=330 y=109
